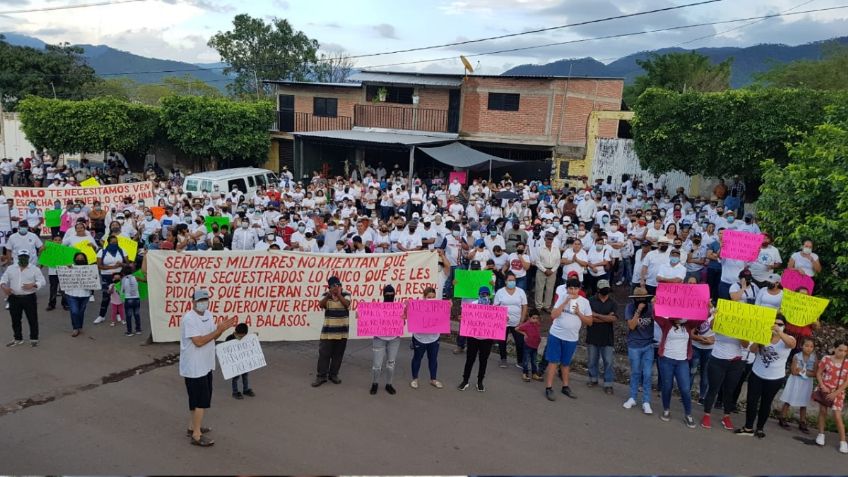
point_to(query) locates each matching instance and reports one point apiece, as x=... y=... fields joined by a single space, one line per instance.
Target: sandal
x=782 y=423
x=437 y=384
x=203 y=430
x=202 y=442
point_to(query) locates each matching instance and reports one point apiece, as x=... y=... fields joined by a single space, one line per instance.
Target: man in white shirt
x=244 y=238
x=673 y=271
x=547 y=262
x=767 y=261
x=651 y=264
x=20 y=282
x=198 y=333
x=22 y=240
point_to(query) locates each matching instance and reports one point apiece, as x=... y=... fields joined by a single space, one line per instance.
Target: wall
x=303 y=97
x=13 y=141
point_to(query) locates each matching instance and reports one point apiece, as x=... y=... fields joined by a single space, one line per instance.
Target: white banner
x=5 y=223
x=108 y=195
x=84 y=277
x=239 y=356
x=277 y=292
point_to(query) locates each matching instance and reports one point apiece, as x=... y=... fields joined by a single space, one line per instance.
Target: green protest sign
x=210 y=220
x=56 y=255
x=53 y=217
x=468 y=283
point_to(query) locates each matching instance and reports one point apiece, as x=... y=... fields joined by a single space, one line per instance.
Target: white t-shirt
x=770 y=362
x=594 y=256
x=726 y=347
x=768 y=256
x=567 y=326
x=750 y=295
x=668 y=271
x=804 y=264
x=574 y=266
x=196 y=362
x=513 y=304
x=730 y=270
x=676 y=343
x=29 y=242
x=705 y=329
x=764 y=298
x=516 y=266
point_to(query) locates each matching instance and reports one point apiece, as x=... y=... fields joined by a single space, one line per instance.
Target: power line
x=607 y=37
x=69 y=7
x=742 y=26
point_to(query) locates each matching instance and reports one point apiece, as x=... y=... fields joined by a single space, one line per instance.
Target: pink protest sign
x=428 y=316
x=738 y=245
x=679 y=300
x=379 y=319
x=460 y=176
x=793 y=280
x=483 y=321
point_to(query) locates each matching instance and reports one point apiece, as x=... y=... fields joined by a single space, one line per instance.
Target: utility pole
x=54 y=90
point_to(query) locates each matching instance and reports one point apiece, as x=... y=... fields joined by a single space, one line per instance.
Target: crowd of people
x=559 y=258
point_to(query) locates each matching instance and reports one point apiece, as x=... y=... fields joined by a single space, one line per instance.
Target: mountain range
x=108 y=61
x=746 y=61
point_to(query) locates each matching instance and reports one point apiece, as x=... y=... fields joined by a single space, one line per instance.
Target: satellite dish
x=468 y=67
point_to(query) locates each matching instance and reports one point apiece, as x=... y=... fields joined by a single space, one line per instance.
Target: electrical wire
x=69 y=7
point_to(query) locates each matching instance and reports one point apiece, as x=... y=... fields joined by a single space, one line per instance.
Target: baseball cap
x=200 y=294
x=773 y=278
x=23 y=253
x=483 y=291
x=603 y=284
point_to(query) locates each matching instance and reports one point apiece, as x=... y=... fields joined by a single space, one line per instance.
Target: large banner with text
x=108 y=195
x=277 y=293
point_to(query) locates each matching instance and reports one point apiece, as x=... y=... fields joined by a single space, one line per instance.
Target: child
x=132 y=301
x=799 y=386
x=116 y=303
x=830 y=395
x=239 y=333
x=532 y=338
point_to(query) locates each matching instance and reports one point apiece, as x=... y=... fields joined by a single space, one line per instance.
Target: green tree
x=256 y=51
x=333 y=67
x=57 y=70
x=94 y=125
x=829 y=73
x=808 y=199
x=726 y=133
x=217 y=128
x=679 y=72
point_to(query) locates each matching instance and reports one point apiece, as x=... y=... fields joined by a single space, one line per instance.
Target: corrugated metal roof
x=315 y=83
x=410 y=79
x=379 y=137
x=459 y=77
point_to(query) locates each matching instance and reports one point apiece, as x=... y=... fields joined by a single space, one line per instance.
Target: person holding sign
x=477 y=347
x=675 y=351
x=766 y=379
x=110 y=260
x=723 y=372
x=334 y=332
x=384 y=348
x=77 y=299
x=639 y=316
x=570 y=313
x=198 y=333
x=805 y=261
x=426 y=343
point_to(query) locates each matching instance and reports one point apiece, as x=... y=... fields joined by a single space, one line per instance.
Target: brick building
x=386 y=117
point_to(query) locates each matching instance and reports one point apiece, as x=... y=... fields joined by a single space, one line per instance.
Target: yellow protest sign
x=129 y=246
x=801 y=309
x=743 y=321
x=88 y=249
x=90 y=182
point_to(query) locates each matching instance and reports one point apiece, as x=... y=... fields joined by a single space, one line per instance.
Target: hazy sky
x=179 y=29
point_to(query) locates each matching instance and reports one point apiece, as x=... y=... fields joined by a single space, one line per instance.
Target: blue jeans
x=418 y=351
x=627 y=269
x=244 y=384
x=447 y=292
x=675 y=369
x=724 y=290
x=132 y=308
x=529 y=364
x=521 y=283
x=700 y=359
x=734 y=204
x=641 y=371
x=606 y=353
x=77 y=305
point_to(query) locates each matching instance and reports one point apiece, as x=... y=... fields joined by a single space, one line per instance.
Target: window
x=325 y=107
x=239 y=183
x=206 y=186
x=250 y=181
x=260 y=180
x=503 y=101
x=191 y=185
x=393 y=94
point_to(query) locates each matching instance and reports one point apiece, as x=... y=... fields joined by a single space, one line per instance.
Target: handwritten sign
x=679 y=300
x=738 y=245
x=428 y=316
x=210 y=220
x=793 y=280
x=129 y=246
x=460 y=176
x=743 y=321
x=468 y=283
x=56 y=255
x=483 y=321
x=53 y=217
x=801 y=309
x=79 y=277
x=379 y=319
x=240 y=356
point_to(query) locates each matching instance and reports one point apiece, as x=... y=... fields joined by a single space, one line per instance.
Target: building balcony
x=289 y=121
x=409 y=118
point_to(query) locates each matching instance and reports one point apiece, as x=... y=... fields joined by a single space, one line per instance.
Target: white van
x=247 y=179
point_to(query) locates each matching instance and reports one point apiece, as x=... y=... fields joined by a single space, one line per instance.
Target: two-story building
x=399 y=119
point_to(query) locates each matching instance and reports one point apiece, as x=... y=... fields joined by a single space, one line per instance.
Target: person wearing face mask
x=767 y=261
x=149 y=226
x=384 y=349
x=513 y=235
x=334 y=332
x=600 y=340
x=675 y=351
x=22 y=240
x=97 y=219
x=744 y=290
x=20 y=282
x=492 y=238
x=198 y=334
x=766 y=379
x=518 y=264
x=244 y=238
x=515 y=301
x=477 y=348
x=673 y=271
x=651 y=264
x=639 y=316
x=805 y=261
x=110 y=260
x=77 y=299
x=34 y=217
x=570 y=312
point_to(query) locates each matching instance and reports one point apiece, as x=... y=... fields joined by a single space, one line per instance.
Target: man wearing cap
x=600 y=337
x=673 y=271
x=651 y=264
x=334 y=332
x=20 y=282
x=198 y=333
x=23 y=240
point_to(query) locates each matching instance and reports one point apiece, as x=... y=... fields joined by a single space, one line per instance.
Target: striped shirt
x=336 y=318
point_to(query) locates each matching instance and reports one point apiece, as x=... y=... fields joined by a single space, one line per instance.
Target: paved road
x=73 y=423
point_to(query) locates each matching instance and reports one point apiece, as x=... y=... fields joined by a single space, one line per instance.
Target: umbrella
x=507 y=195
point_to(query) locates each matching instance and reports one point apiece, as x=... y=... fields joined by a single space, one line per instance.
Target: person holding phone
x=20 y=282
x=334 y=333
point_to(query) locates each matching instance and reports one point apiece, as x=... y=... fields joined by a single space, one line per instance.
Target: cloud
x=14 y=3
x=282 y=4
x=491 y=7
x=51 y=31
x=208 y=5
x=384 y=30
x=152 y=43
x=325 y=24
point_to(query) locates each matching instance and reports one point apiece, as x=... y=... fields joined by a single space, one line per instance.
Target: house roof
x=315 y=83
x=411 y=79
x=376 y=136
x=460 y=77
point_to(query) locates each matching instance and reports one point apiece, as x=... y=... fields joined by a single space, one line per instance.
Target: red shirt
x=533 y=338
